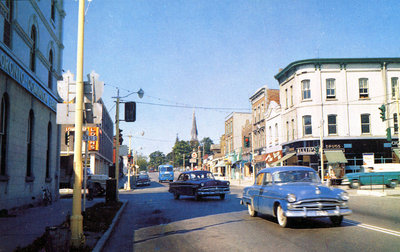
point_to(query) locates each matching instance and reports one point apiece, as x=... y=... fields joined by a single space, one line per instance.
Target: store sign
x=9 y=66
x=273 y=157
x=305 y=151
x=368 y=159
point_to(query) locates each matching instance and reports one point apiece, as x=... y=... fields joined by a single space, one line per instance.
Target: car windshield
x=295 y=176
x=204 y=175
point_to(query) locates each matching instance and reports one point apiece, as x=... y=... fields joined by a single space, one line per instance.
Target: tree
x=206 y=143
x=156 y=158
x=180 y=148
x=142 y=162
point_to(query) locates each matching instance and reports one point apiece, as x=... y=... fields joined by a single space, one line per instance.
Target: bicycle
x=46 y=196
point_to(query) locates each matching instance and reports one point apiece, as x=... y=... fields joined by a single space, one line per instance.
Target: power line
x=191 y=107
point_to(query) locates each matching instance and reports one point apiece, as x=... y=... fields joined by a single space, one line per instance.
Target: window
x=29 y=144
x=4 y=113
x=307 y=129
x=395 y=86
x=395 y=123
x=287 y=131
x=268 y=178
x=332 y=125
x=291 y=95
x=292 y=129
x=50 y=75
x=260 y=179
x=365 y=128
x=330 y=89
x=7 y=23
x=270 y=135
x=305 y=90
x=287 y=98
x=363 y=84
x=48 y=151
x=276 y=134
x=32 y=61
x=53 y=10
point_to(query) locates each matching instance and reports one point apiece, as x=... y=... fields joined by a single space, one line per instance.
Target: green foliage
x=206 y=142
x=142 y=162
x=180 y=148
x=156 y=158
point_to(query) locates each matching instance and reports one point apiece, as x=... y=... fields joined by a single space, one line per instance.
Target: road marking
x=374 y=228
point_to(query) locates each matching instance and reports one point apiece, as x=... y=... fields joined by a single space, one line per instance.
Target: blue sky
x=214 y=54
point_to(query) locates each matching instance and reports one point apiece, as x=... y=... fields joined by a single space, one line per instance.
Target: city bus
x=165 y=173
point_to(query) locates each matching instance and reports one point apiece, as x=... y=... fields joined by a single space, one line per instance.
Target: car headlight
x=202 y=184
x=291 y=197
x=344 y=196
x=227 y=183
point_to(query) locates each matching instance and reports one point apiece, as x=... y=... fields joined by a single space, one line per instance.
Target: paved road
x=154 y=221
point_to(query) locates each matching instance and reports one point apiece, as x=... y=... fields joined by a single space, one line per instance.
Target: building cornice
x=342 y=61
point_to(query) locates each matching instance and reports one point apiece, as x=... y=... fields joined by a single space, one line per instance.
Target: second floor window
x=293 y=129
x=50 y=74
x=363 y=87
x=287 y=98
x=332 y=125
x=305 y=90
x=32 y=59
x=307 y=128
x=395 y=86
x=53 y=10
x=330 y=89
x=291 y=95
x=287 y=131
x=365 y=124
x=7 y=23
x=276 y=134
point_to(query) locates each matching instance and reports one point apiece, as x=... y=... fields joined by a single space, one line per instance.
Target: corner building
x=30 y=64
x=338 y=100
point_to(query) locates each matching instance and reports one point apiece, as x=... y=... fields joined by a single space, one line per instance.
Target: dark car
x=198 y=184
x=289 y=192
x=142 y=179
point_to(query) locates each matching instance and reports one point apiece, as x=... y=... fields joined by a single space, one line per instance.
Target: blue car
x=165 y=173
x=289 y=192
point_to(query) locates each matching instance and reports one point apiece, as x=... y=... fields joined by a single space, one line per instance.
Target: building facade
x=337 y=101
x=31 y=50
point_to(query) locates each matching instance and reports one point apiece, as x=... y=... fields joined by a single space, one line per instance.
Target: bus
x=165 y=173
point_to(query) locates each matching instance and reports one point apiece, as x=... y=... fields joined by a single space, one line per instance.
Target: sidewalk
x=26 y=225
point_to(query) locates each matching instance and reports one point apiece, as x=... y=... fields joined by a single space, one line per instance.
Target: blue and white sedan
x=289 y=192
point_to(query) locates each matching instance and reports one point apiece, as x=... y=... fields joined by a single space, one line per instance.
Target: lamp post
x=140 y=94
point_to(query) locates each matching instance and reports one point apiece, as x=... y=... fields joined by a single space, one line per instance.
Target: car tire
x=336 y=220
x=176 y=196
x=251 y=210
x=393 y=183
x=283 y=221
x=355 y=184
x=222 y=196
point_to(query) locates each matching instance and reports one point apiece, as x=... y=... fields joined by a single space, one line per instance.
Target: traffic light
x=130 y=111
x=383 y=112
x=388 y=135
x=67 y=138
x=246 y=142
x=316 y=150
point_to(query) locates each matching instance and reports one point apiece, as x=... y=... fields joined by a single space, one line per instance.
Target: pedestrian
x=90 y=187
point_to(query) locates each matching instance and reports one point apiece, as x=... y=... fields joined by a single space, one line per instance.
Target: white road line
x=374 y=228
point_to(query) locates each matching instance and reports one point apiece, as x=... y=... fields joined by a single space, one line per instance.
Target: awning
x=220 y=164
x=397 y=152
x=287 y=156
x=335 y=156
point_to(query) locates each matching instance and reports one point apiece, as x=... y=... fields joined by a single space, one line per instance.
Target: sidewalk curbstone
x=100 y=243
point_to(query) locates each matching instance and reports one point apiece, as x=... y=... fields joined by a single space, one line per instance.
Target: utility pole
x=129 y=164
x=77 y=236
x=117 y=145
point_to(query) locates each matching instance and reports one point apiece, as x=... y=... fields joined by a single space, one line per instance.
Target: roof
x=286 y=168
x=333 y=61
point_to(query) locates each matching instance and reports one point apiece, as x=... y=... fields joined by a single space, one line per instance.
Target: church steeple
x=194 y=129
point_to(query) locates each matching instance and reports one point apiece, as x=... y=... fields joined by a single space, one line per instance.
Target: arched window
x=4 y=114
x=50 y=76
x=53 y=10
x=48 y=151
x=32 y=62
x=29 y=143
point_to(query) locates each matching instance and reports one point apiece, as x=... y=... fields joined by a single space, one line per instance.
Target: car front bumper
x=318 y=213
x=213 y=191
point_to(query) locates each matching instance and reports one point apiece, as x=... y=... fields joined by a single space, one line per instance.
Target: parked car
x=289 y=192
x=142 y=179
x=198 y=184
x=165 y=173
x=355 y=180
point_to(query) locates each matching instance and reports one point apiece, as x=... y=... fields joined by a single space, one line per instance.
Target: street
x=154 y=221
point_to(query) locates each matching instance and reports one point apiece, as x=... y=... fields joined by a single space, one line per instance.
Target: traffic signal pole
x=77 y=236
x=117 y=145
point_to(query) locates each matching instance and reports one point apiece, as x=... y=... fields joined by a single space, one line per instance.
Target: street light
x=140 y=94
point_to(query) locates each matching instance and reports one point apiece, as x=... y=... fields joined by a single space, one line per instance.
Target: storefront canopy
x=396 y=151
x=335 y=156
x=287 y=156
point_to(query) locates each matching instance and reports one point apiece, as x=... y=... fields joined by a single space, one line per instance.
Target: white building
x=30 y=63
x=342 y=95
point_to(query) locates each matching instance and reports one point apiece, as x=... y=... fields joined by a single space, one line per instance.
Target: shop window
x=365 y=124
x=332 y=125
x=4 y=115
x=363 y=88
x=307 y=128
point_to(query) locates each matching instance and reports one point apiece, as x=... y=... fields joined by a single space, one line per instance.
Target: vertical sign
x=93 y=143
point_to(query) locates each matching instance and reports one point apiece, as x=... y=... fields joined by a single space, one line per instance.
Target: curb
x=100 y=243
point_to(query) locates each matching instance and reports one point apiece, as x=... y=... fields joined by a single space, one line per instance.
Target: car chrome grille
x=316 y=204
